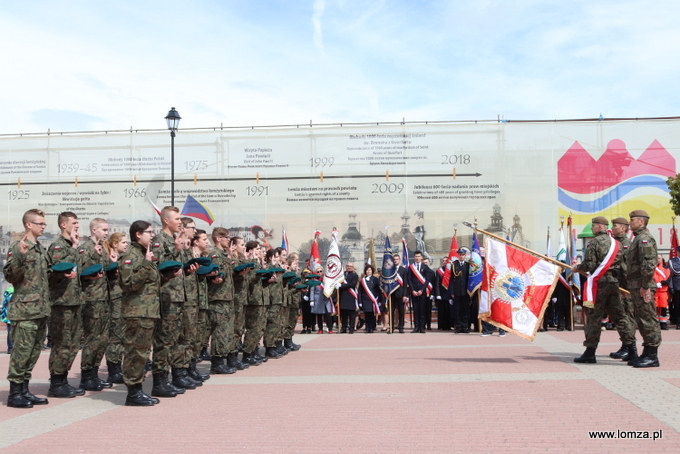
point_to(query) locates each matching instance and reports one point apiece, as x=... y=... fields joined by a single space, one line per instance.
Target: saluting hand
x=149 y=255
x=97 y=247
x=75 y=237
x=23 y=245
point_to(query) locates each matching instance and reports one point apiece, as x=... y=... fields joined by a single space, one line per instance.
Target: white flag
x=332 y=274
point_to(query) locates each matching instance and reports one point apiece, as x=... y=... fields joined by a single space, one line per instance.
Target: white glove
x=658 y=285
x=337 y=285
x=439 y=297
x=554 y=300
x=306 y=298
x=448 y=266
x=451 y=302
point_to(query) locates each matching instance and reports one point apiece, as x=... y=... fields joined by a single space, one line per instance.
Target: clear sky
x=86 y=65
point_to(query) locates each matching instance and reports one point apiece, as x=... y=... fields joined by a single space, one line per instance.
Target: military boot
x=232 y=361
x=195 y=374
x=249 y=358
x=105 y=383
x=88 y=380
x=620 y=353
x=204 y=355
x=290 y=345
x=651 y=360
x=645 y=351
x=280 y=349
x=272 y=352
x=115 y=373
x=588 y=357
x=137 y=398
x=217 y=366
x=16 y=398
x=631 y=353
x=161 y=387
x=59 y=387
x=30 y=397
x=257 y=356
x=180 y=379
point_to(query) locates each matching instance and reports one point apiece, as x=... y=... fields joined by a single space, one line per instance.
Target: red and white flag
x=453 y=253
x=314 y=257
x=516 y=288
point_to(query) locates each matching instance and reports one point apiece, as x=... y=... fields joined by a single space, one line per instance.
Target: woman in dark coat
x=369 y=297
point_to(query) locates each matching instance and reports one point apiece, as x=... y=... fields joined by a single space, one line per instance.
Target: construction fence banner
x=422 y=180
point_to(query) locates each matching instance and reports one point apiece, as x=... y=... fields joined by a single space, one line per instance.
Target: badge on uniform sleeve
x=127 y=262
x=157 y=245
x=9 y=254
x=645 y=241
x=81 y=251
x=56 y=248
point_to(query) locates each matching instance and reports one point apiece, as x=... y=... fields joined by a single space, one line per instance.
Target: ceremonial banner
x=388 y=274
x=333 y=272
x=674 y=243
x=196 y=209
x=562 y=257
x=475 y=275
x=453 y=253
x=314 y=257
x=516 y=288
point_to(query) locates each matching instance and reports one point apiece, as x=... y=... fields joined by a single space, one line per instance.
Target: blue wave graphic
x=613 y=196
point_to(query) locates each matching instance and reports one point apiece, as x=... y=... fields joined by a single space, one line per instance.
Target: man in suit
x=348 y=298
x=459 y=292
x=417 y=283
x=429 y=293
x=399 y=298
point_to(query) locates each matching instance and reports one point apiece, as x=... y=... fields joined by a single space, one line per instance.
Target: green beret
x=294 y=280
x=203 y=261
x=600 y=220
x=277 y=270
x=264 y=271
x=169 y=265
x=620 y=220
x=301 y=286
x=112 y=267
x=639 y=214
x=92 y=270
x=243 y=266
x=220 y=274
x=64 y=267
x=288 y=274
x=313 y=283
x=203 y=270
x=313 y=276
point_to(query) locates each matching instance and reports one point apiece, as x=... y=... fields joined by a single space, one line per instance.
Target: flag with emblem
x=516 y=288
x=332 y=274
x=314 y=257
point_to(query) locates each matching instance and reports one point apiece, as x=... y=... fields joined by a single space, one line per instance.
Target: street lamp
x=173 y=119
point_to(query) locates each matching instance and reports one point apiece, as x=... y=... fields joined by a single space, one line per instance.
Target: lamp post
x=173 y=119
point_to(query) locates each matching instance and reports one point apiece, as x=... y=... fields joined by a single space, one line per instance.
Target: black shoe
x=650 y=360
x=148 y=366
x=161 y=387
x=218 y=367
x=620 y=353
x=401 y=330
x=232 y=361
x=180 y=379
x=16 y=398
x=560 y=328
x=250 y=359
x=115 y=373
x=30 y=397
x=137 y=398
x=195 y=374
x=588 y=357
x=60 y=388
x=664 y=326
x=88 y=381
x=631 y=361
x=280 y=349
x=631 y=353
x=271 y=352
x=104 y=383
x=290 y=345
x=204 y=355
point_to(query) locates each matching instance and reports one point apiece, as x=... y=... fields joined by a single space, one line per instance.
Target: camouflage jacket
x=140 y=283
x=163 y=248
x=240 y=287
x=625 y=245
x=255 y=291
x=28 y=274
x=596 y=251
x=642 y=260
x=190 y=282
x=115 y=294
x=276 y=291
x=93 y=290
x=64 y=291
x=225 y=290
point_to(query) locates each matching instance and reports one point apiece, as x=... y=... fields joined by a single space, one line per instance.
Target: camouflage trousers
x=139 y=334
x=291 y=322
x=272 y=330
x=96 y=330
x=27 y=337
x=115 y=349
x=239 y=328
x=255 y=324
x=645 y=318
x=608 y=302
x=187 y=337
x=202 y=332
x=166 y=335
x=220 y=327
x=66 y=331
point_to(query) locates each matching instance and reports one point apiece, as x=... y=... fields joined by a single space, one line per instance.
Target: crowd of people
x=164 y=302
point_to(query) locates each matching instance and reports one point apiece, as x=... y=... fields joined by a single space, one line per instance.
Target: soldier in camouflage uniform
x=240 y=297
x=140 y=283
x=255 y=309
x=221 y=304
x=170 y=245
x=116 y=246
x=642 y=259
x=294 y=298
x=607 y=299
x=200 y=247
x=65 y=325
x=26 y=269
x=96 y=308
x=619 y=232
x=272 y=330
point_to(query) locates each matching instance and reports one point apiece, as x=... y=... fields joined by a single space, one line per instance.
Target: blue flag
x=475 y=276
x=388 y=274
